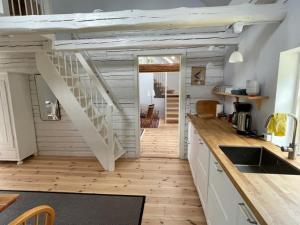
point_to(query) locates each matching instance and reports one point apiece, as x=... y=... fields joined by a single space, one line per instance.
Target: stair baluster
x=90 y=97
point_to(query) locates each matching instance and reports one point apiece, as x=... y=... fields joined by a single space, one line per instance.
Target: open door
x=159 y=86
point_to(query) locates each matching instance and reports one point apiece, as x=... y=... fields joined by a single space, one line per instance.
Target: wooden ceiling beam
x=156 y=68
x=144 y=19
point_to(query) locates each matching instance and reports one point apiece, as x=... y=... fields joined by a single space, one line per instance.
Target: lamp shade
x=236 y=57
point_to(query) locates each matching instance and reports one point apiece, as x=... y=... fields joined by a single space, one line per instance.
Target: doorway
x=159 y=97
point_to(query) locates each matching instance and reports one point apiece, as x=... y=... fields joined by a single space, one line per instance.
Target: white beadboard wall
x=120 y=71
x=214 y=77
x=18 y=62
x=56 y=137
x=121 y=77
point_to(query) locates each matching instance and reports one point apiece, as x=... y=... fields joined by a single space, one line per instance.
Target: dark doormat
x=79 y=209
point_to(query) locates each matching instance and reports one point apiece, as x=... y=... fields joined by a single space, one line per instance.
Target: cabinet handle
x=250 y=218
x=217 y=167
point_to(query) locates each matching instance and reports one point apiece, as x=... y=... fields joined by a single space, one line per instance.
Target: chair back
x=41 y=215
x=150 y=111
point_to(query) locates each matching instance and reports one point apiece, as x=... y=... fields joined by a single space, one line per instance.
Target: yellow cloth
x=277 y=124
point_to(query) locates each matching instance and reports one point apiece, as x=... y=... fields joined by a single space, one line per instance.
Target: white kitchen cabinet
x=198 y=156
x=17 y=133
x=202 y=171
x=222 y=203
x=192 y=151
x=244 y=215
x=221 y=197
x=189 y=140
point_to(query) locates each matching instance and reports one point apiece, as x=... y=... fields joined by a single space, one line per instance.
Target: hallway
x=160 y=142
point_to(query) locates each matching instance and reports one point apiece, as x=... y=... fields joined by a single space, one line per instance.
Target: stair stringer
x=74 y=110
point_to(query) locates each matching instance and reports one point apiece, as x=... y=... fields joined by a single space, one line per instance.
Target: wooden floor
x=171 y=198
x=161 y=141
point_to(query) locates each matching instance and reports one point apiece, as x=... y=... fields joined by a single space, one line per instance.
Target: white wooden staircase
x=85 y=100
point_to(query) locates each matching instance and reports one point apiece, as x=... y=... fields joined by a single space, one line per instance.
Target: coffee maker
x=241 y=118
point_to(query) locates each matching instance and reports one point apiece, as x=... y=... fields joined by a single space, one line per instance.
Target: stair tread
x=172 y=117
x=172 y=108
x=172 y=113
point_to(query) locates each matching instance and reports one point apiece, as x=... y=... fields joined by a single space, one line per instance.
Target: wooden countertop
x=274 y=199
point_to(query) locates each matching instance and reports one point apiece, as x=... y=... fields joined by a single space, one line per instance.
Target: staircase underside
x=81 y=110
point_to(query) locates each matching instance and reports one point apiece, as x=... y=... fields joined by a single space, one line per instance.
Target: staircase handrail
x=97 y=82
x=99 y=76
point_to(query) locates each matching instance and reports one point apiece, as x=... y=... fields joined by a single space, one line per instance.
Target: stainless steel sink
x=258 y=160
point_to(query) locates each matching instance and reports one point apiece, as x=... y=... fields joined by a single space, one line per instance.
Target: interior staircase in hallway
x=172 y=108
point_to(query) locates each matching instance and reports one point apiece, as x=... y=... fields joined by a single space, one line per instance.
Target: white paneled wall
x=56 y=137
x=214 y=77
x=18 y=62
x=62 y=138
x=119 y=69
x=121 y=76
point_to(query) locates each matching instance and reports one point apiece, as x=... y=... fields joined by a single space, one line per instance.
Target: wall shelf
x=258 y=99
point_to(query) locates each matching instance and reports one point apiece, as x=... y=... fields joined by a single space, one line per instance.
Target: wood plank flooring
x=171 y=198
x=161 y=141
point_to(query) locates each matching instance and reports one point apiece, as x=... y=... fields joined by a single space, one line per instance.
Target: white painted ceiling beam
x=156 y=32
x=26 y=46
x=148 y=42
x=23 y=38
x=238 y=2
x=144 y=19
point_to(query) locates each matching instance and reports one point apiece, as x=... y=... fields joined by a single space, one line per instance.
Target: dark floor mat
x=79 y=209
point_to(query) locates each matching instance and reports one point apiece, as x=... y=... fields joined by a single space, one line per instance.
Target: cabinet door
x=222 y=193
x=6 y=131
x=190 y=139
x=202 y=172
x=244 y=215
x=193 y=153
x=215 y=213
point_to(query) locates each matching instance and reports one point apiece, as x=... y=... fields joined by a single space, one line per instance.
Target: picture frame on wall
x=198 y=75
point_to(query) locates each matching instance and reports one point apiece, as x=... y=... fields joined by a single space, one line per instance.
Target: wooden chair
x=150 y=111
x=146 y=122
x=35 y=215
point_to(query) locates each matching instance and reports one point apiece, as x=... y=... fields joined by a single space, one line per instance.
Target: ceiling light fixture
x=236 y=57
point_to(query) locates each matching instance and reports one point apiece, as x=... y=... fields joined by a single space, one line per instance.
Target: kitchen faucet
x=291 y=149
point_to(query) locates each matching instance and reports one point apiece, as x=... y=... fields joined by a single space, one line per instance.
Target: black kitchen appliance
x=241 y=118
